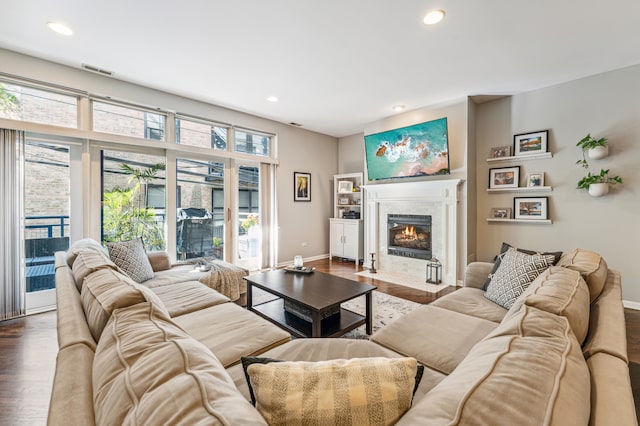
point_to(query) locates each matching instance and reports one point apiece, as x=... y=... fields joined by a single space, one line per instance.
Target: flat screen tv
x=417 y=150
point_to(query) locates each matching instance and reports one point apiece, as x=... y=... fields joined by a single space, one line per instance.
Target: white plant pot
x=598 y=152
x=598 y=189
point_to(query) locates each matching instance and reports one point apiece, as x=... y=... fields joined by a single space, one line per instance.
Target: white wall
x=605 y=105
x=299 y=150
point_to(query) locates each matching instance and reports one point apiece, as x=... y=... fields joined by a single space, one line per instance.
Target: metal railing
x=51 y=224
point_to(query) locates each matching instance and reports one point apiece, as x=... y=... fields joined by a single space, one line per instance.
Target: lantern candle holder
x=434 y=271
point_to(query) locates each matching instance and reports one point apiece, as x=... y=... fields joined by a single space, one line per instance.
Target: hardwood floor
x=28 y=348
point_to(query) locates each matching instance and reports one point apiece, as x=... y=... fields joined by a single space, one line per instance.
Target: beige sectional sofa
x=170 y=355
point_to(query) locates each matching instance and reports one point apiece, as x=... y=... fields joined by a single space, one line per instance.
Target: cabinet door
x=351 y=238
x=336 y=231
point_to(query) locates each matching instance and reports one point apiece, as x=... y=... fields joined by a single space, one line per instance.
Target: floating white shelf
x=530 y=221
x=541 y=156
x=522 y=189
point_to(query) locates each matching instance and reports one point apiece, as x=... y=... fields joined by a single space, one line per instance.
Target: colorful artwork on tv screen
x=418 y=150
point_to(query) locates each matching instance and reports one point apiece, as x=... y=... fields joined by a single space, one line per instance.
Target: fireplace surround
x=439 y=199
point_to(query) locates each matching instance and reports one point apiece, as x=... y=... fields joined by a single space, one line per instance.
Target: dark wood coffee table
x=316 y=293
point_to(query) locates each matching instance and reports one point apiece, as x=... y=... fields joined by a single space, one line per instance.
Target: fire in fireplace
x=409 y=236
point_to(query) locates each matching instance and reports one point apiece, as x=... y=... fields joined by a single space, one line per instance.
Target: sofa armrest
x=159 y=260
x=476 y=274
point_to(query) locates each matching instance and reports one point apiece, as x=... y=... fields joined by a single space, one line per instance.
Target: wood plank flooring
x=28 y=348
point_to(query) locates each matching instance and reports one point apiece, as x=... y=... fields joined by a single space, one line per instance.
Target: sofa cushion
x=131 y=258
x=592 y=267
x=88 y=261
x=325 y=349
x=371 y=391
x=177 y=274
x=471 y=301
x=611 y=399
x=436 y=337
x=517 y=270
x=529 y=371
x=503 y=249
x=78 y=246
x=563 y=292
x=231 y=332
x=106 y=290
x=189 y=296
x=148 y=370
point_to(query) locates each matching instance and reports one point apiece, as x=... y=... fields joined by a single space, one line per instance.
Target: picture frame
x=301 y=186
x=343 y=201
x=530 y=143
x=535 y=179
x=504 y=177
x=345 y=187
x=531 y=208
x=500 y=151
x=501 y=213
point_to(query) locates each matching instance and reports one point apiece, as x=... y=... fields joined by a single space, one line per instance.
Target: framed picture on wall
x=505 y=177
x=301 y=186
x=534 y=208
x=501 y=213
x=530 y=143
x=535 y=179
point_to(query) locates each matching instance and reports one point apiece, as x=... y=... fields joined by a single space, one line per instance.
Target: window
x=120 y=120
x=252 y=143
x=205 y=135
x=38 y=106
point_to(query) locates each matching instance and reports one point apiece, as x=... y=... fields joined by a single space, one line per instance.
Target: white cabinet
x=346 y=239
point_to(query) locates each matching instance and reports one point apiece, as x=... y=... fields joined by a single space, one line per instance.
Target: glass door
x=47 y=194
x=249 y=231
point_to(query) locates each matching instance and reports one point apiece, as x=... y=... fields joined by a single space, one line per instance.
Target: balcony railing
x=44 y=235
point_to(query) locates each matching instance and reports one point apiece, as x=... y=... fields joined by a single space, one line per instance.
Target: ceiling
x=335 y=65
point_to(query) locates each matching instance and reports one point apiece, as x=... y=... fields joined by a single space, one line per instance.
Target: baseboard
x=305 y=259
x=631 y=305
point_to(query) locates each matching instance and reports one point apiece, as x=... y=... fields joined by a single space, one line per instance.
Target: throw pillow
x=517 y=270
x=503 y=250
x=131 y=258
x=372 y=391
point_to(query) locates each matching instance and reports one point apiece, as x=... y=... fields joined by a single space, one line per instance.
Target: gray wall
x=351 y=154
x=605 y=105
x=299 y=150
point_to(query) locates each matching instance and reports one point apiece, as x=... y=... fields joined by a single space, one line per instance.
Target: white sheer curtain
x=12 y=281
x=268 y=203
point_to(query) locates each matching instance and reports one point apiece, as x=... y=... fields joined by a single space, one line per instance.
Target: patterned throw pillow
x=131 y=258
x=371 y=391
x=517 y=270
x=503 y=250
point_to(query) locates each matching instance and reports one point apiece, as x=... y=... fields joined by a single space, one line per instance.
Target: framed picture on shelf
x=535 y=179
x=343 y=201
x=535 y=208
x=530 y=143
x=345 y=186
x=505 y=177
x=501 y=151
x=501 y=213
x=301 y=186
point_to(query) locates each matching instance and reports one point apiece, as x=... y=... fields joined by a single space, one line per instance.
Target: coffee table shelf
x=333 y=326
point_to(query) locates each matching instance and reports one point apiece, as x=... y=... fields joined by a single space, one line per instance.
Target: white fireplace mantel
x=438 y=198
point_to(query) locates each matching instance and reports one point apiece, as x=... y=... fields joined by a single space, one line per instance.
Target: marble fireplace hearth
x=439 y=199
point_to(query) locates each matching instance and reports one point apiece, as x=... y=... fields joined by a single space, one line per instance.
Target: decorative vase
x=598 y=189
x=598 y=152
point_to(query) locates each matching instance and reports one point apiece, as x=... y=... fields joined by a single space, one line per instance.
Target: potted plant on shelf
x=594 y=148
x=598 y=185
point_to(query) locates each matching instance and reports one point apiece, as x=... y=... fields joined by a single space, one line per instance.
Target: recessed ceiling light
x=60 y=28
x=433 y=17
x=272 y=99
x=398 y=108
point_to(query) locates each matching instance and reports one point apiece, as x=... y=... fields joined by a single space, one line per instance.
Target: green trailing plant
x=587 y=143
x=217 y=241
x=603 y=177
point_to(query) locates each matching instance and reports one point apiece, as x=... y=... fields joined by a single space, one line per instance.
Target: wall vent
x=97 y=70
x=295 y=124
